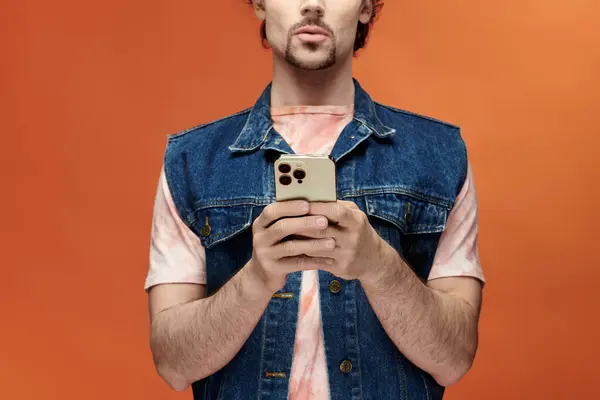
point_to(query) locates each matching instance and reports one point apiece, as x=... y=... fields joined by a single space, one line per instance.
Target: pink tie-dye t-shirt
x=177 y=256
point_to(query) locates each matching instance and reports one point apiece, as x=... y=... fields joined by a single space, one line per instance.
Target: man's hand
x=358 y=247
x=272 y=258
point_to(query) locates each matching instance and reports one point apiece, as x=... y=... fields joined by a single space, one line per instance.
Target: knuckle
x=281 y=228
x=340 y=210
x=362 y=221
x=309 y=222
x=289 y=246
x=257 y=238
x=260 y=252
x=269 y=212
x=300 y=262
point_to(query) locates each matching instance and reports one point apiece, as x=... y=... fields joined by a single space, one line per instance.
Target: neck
x=292 y=86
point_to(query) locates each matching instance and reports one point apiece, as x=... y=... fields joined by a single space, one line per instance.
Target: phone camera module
x=299 y=174
x=285 y=180
x=285 y=168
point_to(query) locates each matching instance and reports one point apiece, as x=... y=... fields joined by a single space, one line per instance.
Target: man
x=380 y=303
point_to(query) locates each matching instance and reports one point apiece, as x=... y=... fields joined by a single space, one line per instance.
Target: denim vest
x=403 y=171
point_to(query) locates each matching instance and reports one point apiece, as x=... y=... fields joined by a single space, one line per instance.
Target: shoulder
x=431 y=132
x=208 y=138
x=188 y=151
x=227 y=123
x=414 y=120
x=436 y=142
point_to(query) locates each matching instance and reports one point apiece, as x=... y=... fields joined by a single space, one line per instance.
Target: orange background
x=89 y=91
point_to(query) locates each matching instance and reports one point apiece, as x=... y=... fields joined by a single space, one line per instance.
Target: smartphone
x=309 y=177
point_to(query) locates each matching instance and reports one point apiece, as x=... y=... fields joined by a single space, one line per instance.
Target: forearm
x=434 y=330
x=194 y=340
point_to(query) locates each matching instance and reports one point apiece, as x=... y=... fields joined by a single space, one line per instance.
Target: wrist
x=254 y=286
x=386 y=270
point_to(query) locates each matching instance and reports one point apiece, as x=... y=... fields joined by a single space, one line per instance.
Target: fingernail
x=322 y=222
x=304 y=207
x=329 y=261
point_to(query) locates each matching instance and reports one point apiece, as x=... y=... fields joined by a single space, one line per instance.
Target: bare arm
x=434 y=325
x=193 y=336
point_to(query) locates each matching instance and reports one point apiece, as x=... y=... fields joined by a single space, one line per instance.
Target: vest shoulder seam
x=206 y=124
x=412 y=114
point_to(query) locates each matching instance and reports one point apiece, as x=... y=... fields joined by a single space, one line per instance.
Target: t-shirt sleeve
x=457 y=253
x=176 y=254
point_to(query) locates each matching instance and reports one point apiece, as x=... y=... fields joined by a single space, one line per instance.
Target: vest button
x=335 y=286
x=205 y=230
x=346 y=366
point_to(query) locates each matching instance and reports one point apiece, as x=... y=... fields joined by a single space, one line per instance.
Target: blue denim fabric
x=403 y=170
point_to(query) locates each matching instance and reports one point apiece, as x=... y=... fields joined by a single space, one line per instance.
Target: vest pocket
x=216 y=224
x=409 y=214
x=411 y=225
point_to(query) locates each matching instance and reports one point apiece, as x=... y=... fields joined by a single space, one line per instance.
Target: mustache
x=311 y=21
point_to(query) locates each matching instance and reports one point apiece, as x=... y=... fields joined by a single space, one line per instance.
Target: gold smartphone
x=309 y=177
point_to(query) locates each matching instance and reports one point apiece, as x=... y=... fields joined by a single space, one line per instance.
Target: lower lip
x=312 y=37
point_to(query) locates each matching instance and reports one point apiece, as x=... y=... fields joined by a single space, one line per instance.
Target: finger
x=304 y=263
x=331 y=231
x=291 y=226
x=349 y=204
x=309 y=247
x=277 y=210
x=337 y=213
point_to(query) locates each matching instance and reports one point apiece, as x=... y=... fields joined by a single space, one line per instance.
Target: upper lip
x=314 y=30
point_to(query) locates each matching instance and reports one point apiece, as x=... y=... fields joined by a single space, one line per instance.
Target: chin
x=314 y=63
x=311 y=61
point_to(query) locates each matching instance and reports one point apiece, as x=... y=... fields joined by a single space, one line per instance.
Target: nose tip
x=313 y=10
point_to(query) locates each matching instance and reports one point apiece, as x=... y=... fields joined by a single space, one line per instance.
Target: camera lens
x=299 y=174
x=285 y=180
x=285 y=168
